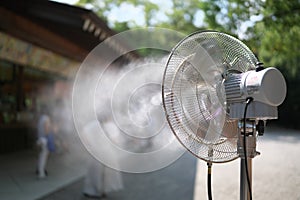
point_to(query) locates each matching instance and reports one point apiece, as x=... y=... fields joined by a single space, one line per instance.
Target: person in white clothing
x=43 y=129
x=100 y=179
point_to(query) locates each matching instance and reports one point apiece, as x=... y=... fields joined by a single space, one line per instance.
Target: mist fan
x=210 y=81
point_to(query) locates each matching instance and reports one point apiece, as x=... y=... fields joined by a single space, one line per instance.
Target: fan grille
x=194 y=94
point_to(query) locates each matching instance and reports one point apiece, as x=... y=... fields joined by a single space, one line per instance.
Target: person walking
x=100 y=179
x=44 y=141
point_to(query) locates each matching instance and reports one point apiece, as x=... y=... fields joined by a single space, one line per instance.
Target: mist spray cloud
x=118 y=114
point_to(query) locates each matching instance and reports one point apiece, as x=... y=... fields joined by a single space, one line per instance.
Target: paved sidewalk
x=276 y=172
x=18 y=180
x=276 y=175
x=66 y=172
x=175 y=182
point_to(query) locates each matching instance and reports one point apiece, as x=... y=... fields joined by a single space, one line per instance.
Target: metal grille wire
x=194 y=96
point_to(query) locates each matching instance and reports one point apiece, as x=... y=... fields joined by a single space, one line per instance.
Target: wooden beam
x=26 y=54
x=27 y=30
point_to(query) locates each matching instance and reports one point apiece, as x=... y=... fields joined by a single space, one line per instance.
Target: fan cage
x=194 y=95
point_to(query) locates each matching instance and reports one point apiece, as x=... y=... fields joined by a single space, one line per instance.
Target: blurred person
x=45 y=141
x=100 y=179
x=59 y=122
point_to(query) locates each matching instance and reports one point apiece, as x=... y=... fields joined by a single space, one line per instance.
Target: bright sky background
x=135 y=14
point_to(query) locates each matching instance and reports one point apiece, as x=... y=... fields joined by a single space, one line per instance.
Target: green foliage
x=279 y=46
x=182 y=16
x=279 y=35
x=228 y=16
x=121 y=26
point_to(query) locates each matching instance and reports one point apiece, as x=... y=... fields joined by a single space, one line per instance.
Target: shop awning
x=63 y=33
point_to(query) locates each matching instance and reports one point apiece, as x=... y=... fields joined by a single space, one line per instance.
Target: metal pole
x=246 y=152
x=244 y=189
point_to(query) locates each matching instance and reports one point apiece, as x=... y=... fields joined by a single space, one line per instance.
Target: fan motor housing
x=267 y=88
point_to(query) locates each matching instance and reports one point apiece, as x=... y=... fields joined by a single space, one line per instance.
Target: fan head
x=194 y=96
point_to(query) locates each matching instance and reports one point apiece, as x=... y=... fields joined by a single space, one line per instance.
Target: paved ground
x=276 y=176
x=18 y=180
x=173 y=182
x=276 y=172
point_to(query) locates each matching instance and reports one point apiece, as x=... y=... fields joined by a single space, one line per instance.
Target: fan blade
x=208 y=100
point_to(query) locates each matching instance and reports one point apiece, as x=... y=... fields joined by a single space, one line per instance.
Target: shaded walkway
x=18 y=180
x=171 y=183
x=276 y=175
